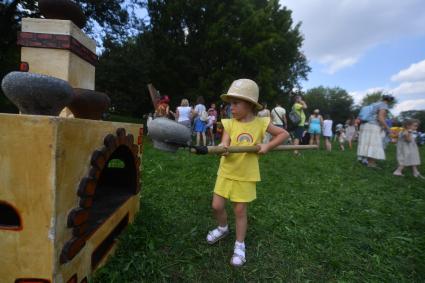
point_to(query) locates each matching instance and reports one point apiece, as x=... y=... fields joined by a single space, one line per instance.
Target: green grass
x=126 y=119
x=321 y=217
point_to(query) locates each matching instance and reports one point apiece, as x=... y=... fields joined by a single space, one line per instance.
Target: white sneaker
x=238 y=258
x=216 y=235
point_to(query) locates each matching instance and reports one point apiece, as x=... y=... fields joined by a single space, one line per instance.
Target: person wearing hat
x=372 y=133
x=238 y=173
x=315 y=124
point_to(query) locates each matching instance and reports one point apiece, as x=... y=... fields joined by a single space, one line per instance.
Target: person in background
x=315 y=123
x=199 y=125
x=278 y=115
x=341 y=137
x=163 y=109
x=265 y=113
x=372 y=133
x=407 y=149
x=210 y=125
x=213 y=110
x=350 y=131
x=299 y=107
x=183 y=113
x=327 y=132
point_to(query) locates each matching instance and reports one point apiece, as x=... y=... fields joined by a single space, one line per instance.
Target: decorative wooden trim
x=57 y=41
x=78 y=216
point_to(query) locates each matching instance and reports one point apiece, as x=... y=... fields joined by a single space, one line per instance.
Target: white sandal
x=216 y=235
x=238 y=258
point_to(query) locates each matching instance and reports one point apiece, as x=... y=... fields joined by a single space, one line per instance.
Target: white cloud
x=409 y=88
x=336 y=64
x=415 y=72
x=417 y=104
x=337 y=33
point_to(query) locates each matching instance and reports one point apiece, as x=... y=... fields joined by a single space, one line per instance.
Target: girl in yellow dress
x=239 y=172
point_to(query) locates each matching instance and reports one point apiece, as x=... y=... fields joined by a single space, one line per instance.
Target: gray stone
x=37 y=94
x=168 y=135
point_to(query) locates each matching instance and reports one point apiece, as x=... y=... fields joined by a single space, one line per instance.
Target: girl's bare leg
x=219 y=210
x=240 y=210
x=311 y=139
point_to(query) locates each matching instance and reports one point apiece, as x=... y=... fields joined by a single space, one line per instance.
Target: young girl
x=351 y=131
x=340 y=134
x=239 y=172
x=407 y=149
x=199 y=125
x=210 y=126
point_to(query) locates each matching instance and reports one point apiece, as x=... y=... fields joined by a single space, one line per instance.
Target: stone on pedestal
x=62 y=10
x=89 y=104
x=37 y=94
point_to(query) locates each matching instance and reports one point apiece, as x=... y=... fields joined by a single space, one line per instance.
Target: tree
x=375 y=97
x=333 y=101
x=200 y=47
x=111 y=15
x=414 y=114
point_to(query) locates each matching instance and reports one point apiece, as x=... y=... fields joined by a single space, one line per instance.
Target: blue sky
x=365 y=45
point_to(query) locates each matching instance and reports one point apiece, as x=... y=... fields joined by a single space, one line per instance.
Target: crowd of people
x=372 y=133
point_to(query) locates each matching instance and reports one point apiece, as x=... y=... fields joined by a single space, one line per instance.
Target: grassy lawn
x=320 y=217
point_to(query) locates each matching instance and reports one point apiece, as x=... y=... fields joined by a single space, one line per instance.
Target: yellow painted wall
x=26 y=182
x=43 y=160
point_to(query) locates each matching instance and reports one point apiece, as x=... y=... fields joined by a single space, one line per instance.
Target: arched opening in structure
x=116 y=184
x=9 y=217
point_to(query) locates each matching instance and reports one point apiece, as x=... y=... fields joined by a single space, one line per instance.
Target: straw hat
x=243 y=89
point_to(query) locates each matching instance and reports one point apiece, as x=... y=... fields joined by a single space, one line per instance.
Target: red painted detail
x=73 y=279
x=57 y=41
x=44 y=36
x=24 y=67
x=31 y=280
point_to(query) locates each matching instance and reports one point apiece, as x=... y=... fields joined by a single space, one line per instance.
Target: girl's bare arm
x=279 y=136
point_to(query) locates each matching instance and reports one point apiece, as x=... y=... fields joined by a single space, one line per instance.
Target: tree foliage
x=200 y=47
x=110 y=15
x=333 y=101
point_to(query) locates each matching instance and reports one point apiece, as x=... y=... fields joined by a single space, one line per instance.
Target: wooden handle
x=245 y=149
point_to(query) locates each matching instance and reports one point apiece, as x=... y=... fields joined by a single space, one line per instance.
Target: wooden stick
x=245 y=149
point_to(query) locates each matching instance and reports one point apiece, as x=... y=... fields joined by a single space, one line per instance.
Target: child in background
x=407 y=149
x=351 y=132
x=340 y=134
x=327 y=132
x=238 y=173
x=210 y=126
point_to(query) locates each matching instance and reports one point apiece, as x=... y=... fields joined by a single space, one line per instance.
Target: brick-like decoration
x=86 y=190
x=57 y=41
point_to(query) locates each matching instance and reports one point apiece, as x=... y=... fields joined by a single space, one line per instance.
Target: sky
x=364 y=46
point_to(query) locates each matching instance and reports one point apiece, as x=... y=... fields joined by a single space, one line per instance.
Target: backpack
x=294 y=116
x=204 y=116
x=367 y=112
